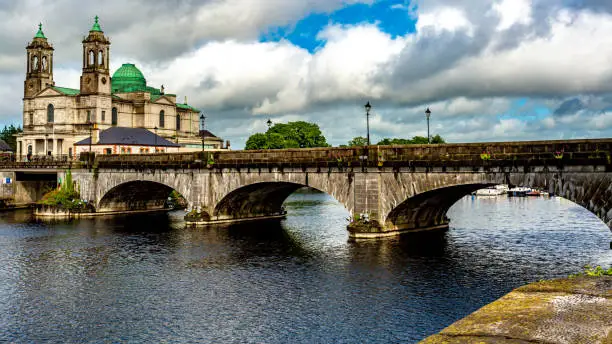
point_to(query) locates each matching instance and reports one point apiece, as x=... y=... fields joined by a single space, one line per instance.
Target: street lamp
x=90 y=124
x=269 y=123
x=155 y=148
x=368 y=107
x=428 y=114
x=202 y=129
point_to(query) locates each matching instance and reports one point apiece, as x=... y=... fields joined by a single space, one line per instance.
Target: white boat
x=490 y=191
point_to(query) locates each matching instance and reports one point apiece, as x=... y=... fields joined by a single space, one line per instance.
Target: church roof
x=128 y=78
x=67 y=91
x=186 y=107
x=129 y=136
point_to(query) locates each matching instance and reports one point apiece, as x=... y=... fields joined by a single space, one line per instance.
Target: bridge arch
x=134 y=196
x=260 y=199
x=427 y=210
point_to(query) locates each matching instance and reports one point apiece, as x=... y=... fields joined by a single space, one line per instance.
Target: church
x=58 y=121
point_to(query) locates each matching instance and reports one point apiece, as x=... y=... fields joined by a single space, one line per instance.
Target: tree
x=7 y=134
x=290 y=135
x=417 y=140
x=257 y=141
x=358 y=141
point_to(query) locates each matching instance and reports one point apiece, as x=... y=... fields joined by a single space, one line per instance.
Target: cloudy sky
x=490 y=70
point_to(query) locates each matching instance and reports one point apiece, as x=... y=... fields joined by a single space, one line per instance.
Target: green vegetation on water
x=65 y=197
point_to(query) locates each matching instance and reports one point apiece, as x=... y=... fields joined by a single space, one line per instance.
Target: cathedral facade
x=56 y=118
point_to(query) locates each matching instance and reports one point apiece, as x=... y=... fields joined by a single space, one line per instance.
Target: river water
x=150 y=279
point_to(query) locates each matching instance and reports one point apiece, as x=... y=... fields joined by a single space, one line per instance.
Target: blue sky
x=391 y=17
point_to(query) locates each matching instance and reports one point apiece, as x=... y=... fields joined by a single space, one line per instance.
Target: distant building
x=55 y=118
x=4 y=147
x=119 y=140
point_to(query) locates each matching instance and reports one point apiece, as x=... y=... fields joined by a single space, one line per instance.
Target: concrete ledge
x=107 y=213
x=246 y=219
x=560 y=311
x=393 y=233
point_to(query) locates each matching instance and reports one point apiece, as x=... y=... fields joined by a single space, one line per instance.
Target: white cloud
x=512 y=12
x=444 y=18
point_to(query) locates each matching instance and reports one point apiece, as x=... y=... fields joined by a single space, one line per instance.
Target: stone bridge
x=387 y=189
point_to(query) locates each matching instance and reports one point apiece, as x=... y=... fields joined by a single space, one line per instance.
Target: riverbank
x=569 y=310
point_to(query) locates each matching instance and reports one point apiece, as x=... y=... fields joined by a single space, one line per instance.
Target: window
x=92 y=58
x=162 y=114
x=44 y=63
x=114 y=116
x=108 y=151
x=103 y=116
x=35 y=63
x=88 y=116
x=50 y=113
x=178 y=122
x=100 y=58
x=31 y=119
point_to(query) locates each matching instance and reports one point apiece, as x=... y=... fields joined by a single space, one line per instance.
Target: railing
x=476 y=155
x=38 y=161
x=470 y=155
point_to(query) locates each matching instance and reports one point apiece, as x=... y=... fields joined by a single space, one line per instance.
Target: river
x=149 y=279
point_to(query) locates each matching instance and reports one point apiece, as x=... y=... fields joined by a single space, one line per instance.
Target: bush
x=66 y=197
x=596 y=271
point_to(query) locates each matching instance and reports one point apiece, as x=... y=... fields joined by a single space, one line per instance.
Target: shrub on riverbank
x=593 y=271
x=65 y=197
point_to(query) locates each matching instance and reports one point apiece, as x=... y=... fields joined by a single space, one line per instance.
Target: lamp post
x=90 y=124
x=368 y=107
x=155 y=148
x=202 y=129
x=428 y=114
x=269 y=123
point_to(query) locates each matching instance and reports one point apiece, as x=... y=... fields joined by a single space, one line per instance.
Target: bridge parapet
x=475 y=155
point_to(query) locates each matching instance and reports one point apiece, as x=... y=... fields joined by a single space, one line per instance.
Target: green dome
x=128 y=78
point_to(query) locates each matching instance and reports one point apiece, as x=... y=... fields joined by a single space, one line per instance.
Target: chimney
x=95 y=135
x=227 y=145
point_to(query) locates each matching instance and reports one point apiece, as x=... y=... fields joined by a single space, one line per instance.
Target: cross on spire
x=40 y=33
x=96 y=25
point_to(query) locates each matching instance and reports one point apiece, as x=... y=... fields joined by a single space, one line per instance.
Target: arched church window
x=178 y=122
x=114 y=117
x=100 y=58
x=44 y=63
x=50 y=113
x=92 y=58
x=162 y=114
x=35 y=63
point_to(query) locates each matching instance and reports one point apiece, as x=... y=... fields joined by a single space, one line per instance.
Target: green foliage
x=485 y=156
x=66 y=197
x=593 y=271
x=358 y=141
x=290 y=135
x=7 y=134
x=257 y=141
x=211 y=160
x=417 y=140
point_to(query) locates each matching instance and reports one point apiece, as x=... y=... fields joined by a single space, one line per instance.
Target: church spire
x=40 y=33
x=96 y=26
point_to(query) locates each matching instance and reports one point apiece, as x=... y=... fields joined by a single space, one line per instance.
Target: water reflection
x=150 y=279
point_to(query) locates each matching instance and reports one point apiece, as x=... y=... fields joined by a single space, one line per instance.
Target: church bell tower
x=95 y=78
x=39 y=70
